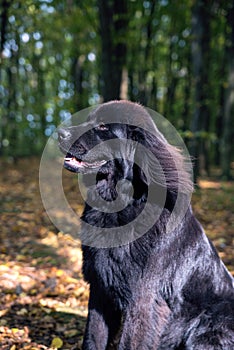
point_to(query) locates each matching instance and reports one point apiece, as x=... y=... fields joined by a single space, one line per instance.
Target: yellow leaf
x=57 y=343
x=59 y=273
x=15 y=330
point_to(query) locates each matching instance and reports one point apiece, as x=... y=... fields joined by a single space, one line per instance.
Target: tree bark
x=4 y=7
x=226 y=141
x=201 y=13
x=113 y=28
x=3 y=22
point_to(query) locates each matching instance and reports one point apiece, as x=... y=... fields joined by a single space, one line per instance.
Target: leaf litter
x=43 y=296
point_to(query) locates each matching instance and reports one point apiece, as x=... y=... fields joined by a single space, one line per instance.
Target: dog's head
x=120 y=141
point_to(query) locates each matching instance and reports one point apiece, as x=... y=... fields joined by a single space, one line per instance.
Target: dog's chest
x=113 y=270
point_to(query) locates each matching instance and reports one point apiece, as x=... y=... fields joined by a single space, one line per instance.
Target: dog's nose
x=64 y=134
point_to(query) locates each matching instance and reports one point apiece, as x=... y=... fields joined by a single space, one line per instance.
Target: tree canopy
x=59 y=56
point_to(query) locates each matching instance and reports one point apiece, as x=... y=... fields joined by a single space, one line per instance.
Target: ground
x=43 y=296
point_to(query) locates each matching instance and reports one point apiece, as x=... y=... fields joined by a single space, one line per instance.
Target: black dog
x=150 y=287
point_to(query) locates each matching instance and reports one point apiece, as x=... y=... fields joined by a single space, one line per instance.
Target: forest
x=58 y=57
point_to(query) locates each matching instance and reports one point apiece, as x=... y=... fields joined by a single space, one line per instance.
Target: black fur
x=164 y=289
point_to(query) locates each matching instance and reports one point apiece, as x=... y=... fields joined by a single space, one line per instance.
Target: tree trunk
x=187 y=95
x=4 y=7
x=171 y=80
x=80 y=100
x=200 y=63
x=113 y=28
x=226 y=142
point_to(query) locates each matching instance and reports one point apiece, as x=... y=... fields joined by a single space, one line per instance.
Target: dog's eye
x=102 y=126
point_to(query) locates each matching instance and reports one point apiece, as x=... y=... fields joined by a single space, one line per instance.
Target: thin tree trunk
x=77 y=77
x=171 y=79
x=226 y=142
x=200 y=64
x=4 y=7
x=144 y=95
x=187 y=94
x=3 y=22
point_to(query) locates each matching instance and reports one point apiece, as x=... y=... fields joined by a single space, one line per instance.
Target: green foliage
x=51 y=63
x=44 y=39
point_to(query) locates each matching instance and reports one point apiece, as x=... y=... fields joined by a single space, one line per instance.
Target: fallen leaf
x=57 y=343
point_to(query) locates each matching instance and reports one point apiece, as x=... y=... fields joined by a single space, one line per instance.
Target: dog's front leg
x=143 y=325
x=96 y=332
x=103 y=324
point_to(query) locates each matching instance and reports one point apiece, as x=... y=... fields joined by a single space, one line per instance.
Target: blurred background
x=59 y=56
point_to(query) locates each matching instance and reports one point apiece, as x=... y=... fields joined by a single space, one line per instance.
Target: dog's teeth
x=67 y=159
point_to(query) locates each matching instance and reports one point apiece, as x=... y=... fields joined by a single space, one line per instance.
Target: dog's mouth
x=75 y=164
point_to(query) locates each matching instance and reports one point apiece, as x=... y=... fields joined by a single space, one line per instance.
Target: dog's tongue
x=73 y=161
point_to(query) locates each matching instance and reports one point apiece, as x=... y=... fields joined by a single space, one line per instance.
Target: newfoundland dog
x=156 y=282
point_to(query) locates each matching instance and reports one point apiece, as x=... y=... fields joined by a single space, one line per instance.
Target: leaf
x=22 y=312
x=59 y=273
x=57 y=343
x=71 y=333
x=14 y=330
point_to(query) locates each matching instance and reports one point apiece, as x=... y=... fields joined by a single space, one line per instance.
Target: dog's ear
x=137 y=134
x=146 y=157
x=159 y=162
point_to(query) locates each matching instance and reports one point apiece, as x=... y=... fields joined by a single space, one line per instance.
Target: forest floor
x=43 y=296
